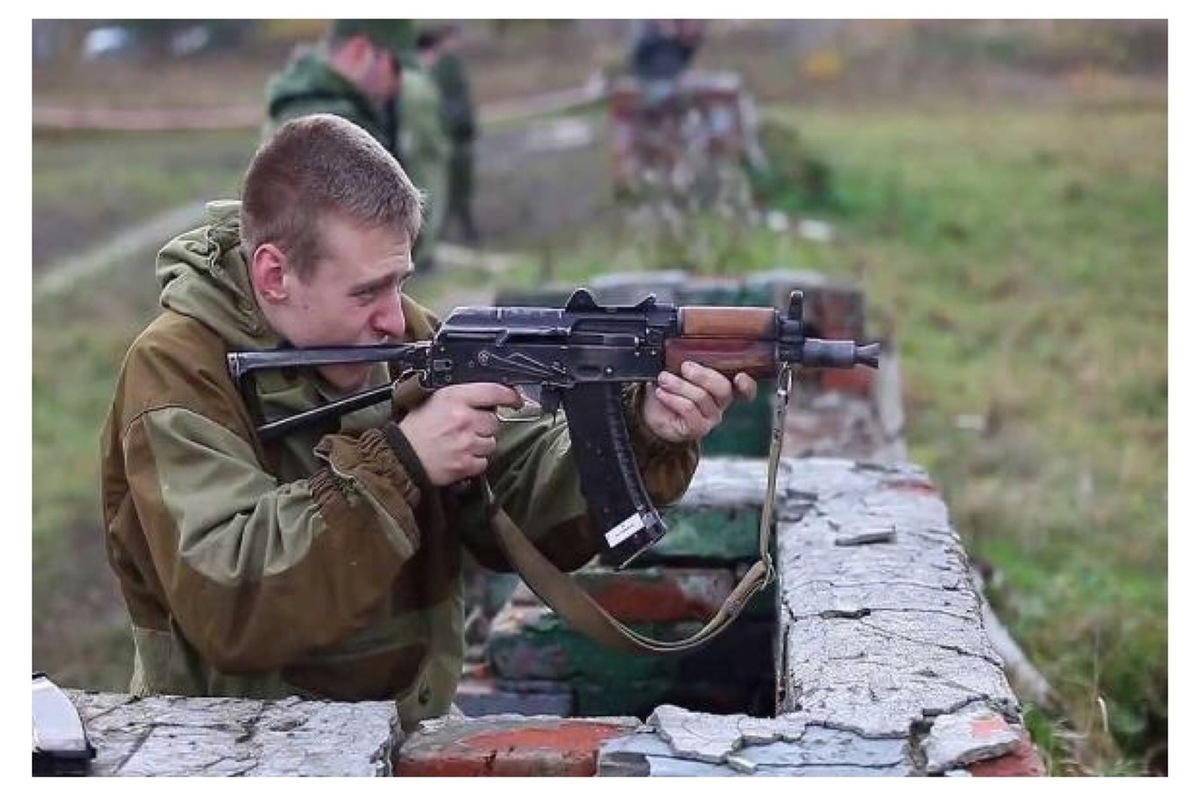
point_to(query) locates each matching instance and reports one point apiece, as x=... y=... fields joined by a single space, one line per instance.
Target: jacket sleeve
x=257 y=572
x=535 y=479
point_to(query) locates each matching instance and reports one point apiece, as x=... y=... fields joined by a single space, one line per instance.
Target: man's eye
x=376 y=292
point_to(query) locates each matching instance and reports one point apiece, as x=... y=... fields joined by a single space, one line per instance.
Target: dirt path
x=117 y=250
x=62 y=118
x=518 y=197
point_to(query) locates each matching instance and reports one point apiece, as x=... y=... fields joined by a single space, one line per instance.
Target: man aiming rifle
x=326 y=563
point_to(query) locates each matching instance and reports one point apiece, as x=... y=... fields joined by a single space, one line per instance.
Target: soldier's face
x=352 y=297
x=382 y=75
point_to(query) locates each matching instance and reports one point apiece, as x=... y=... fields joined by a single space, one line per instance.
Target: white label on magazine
x=623 y=531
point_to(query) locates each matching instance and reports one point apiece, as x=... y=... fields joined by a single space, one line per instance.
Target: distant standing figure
x=354 y=72
x=662 y=51
x=439 y=54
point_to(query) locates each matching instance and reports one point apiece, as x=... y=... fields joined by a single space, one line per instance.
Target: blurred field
x=1001 y=192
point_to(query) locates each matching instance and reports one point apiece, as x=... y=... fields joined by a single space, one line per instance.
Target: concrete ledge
x=210 y=736
x=882 y=629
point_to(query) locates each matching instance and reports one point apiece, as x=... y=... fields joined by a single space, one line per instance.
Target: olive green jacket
x=325 y=565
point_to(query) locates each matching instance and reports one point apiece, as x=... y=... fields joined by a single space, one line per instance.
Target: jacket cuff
x=408 y=458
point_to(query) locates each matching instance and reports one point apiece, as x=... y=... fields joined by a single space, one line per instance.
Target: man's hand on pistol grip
x=454 y=431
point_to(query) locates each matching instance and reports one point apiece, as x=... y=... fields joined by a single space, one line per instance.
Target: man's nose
x=389 y=317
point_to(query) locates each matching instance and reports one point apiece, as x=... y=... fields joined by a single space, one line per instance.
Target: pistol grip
x=608 y=471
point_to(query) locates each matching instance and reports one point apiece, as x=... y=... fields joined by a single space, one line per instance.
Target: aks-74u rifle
x=578 y=357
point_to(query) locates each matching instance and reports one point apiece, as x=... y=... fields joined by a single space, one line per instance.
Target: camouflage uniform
x=426 y=152
x=323 y=565
x=458 y=120
x=309 y=85
x=408 y=127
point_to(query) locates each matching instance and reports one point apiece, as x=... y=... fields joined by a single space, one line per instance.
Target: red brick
x=857 y=381
x=1024 y=762
x=915 y=486
x=503 y=747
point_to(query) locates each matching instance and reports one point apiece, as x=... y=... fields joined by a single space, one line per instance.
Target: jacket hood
x=202 y=274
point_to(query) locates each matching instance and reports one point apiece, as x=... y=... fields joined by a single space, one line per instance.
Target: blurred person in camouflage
x=662 y=51
x=328 y=563
x=438 y=50
x=366 y=71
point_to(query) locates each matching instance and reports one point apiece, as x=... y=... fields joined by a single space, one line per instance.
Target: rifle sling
x=584 y=614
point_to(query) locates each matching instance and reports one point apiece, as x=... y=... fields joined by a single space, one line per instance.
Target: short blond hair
x=315 y=167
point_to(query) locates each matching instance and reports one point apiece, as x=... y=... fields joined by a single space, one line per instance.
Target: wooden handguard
x=723 y=322
x=729 y=340
x=726 y=356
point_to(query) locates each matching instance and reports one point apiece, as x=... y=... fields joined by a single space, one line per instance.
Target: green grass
x=84 y=184
x=86 y=188
x=77 y=346
x=1023 y=260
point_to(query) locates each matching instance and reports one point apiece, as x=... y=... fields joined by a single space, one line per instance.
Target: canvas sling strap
x=584 y=614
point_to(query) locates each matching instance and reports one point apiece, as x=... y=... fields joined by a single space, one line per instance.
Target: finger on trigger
x=528 y=402
x=494 y=395
x=509 y=397
x=518 y=399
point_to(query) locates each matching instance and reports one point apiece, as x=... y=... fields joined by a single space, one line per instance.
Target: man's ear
x=268 y=267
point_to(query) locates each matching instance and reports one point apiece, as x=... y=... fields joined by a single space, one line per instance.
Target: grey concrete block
x=884 y=635
x=208 y=736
